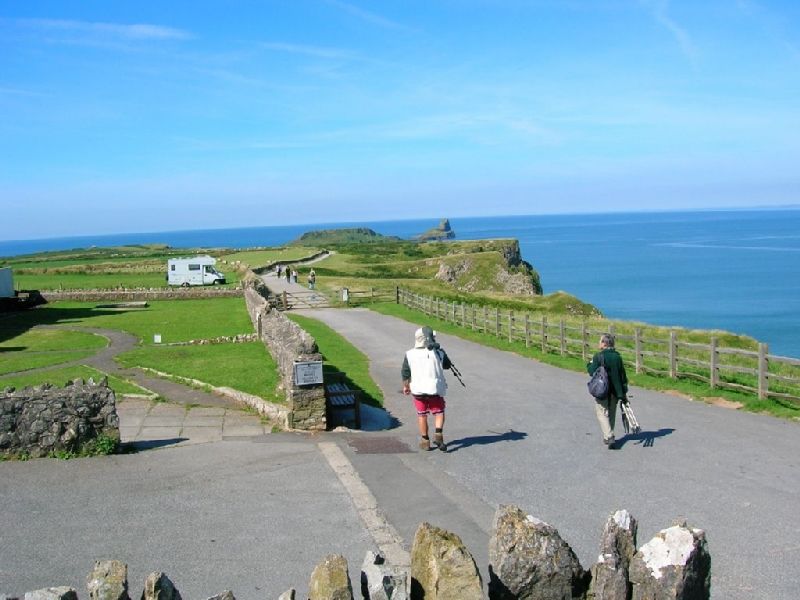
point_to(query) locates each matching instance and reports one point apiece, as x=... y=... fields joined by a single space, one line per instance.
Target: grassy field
x=246 y=367
x=59 y=377
x=260 y=258
x=687 y=387
x=175 y=321
x=340 y=355
x=46 y=340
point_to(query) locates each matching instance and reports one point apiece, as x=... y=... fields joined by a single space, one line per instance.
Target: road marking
x=389 y=542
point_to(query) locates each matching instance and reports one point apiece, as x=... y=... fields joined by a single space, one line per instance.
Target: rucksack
x=598 y=384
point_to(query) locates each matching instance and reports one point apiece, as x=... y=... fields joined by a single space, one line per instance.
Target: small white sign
x=157 y=338
x=308 y=373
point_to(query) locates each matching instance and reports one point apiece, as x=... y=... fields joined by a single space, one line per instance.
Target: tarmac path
x=524 y=433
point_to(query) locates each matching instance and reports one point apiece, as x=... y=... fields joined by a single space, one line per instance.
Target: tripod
x=629 y=420
x=457 y=374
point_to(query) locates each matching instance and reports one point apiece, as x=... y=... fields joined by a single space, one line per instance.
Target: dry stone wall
x=139 y=295
x=39 y=421
x=288 y=343
x=528 y=560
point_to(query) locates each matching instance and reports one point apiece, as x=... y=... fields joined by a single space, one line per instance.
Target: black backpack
x=598 y=384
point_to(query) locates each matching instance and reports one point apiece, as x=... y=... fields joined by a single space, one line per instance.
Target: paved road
x=524 y=433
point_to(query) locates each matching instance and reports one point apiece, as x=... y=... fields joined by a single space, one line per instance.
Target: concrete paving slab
x=165 y=410
x=195 y=421
x=206 y=411
x=202 y=434
x=158 y=433
x=243 y=430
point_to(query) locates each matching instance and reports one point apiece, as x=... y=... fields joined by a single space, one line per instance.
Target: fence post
x=637 y=343
x=713 y=378
x=485 y=319
x=397 y=294
x=455 y=322
x=544 y=333
x=527 y=330
x=584 y=342
x=496 y=322
x=763 y=370
x=510 y=325
x=673 y=355
x=474 y=320
x=563 y=334
x=463 y=316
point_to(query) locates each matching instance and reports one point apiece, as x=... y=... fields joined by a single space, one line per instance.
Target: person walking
x=423 y=378
x=606 y=408
x=312 y=279
x=288 y=273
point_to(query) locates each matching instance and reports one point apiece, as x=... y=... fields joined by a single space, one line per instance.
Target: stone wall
x=288 y=343
x=528 y=561
x=38 y=421
x=138 y=295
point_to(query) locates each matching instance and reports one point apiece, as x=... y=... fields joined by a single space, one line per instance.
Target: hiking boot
x=611 y=443
x=438 y=441
x=424 y=445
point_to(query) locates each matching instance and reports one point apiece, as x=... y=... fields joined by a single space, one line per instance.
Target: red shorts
x=429 y=404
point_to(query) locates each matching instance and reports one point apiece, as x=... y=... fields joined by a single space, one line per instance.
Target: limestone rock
x=226 y=595
x=617 y=548
x=108 y=581
x=287 y=595
x=53 y=593
x=380 y=581
x=674 y=565
x=529 y=560
x=158 y=586
x=442 y=568
x=331 y=580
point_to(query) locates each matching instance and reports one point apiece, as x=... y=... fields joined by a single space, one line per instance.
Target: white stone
x=623 y=519
x=671 y=547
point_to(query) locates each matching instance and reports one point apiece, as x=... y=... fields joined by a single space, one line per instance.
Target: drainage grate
x=378 y=445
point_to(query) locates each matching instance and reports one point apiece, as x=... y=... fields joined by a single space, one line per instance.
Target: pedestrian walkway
x=147 y=424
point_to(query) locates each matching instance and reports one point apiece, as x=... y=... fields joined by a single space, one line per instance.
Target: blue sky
x=148 y=116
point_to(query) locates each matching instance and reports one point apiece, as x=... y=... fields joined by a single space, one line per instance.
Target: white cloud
x=315 y=51
x=128 y=32
x=660 y=11
x=367 y=16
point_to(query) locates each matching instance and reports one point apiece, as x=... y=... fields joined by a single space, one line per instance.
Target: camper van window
x=209 y=269
x=194 y=267
x=172 y=267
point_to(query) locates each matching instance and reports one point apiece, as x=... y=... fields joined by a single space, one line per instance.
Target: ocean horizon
x=734 y=270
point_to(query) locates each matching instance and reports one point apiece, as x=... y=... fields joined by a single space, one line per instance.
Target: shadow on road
x=644 y=438
x=482 y=440
x=151 y=444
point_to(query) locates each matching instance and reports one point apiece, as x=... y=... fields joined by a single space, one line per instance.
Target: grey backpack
x=598 y=384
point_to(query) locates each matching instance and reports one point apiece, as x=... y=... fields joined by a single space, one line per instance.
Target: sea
x=734 y=270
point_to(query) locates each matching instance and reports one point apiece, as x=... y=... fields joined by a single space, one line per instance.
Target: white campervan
x=196 y=270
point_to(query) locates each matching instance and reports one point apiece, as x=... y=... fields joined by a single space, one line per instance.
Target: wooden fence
x=750 y=371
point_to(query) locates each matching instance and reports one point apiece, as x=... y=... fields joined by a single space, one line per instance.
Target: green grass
x=260 y=258
x=175 y=321
x=247 y=367
x=85 y=281
x=58 y=377
x=688 y=387
x=340 y=355
x=25 y=361
x=46 y=340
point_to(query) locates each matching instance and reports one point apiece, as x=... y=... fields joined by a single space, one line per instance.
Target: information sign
x=308 y=372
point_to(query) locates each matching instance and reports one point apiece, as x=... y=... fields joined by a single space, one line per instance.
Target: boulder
x=226 y=595
x=380 y=581
x=108 y=581
x=529 y=560
x=287 y=595
x=442 y=568
x=331 y=580
x=158 y=586
x=674 y=565
x=53 y=593
x=618 y=545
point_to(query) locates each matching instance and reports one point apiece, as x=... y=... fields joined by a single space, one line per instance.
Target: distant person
x=606 y=408
x=312 y=279
x=423 y=378
x=288 y=274
x=294 y=275
x=278 y=269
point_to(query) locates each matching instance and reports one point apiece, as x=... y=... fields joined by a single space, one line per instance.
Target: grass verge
x=59 y=377
x=689 y=388
x=340 y=355
x=246 y=367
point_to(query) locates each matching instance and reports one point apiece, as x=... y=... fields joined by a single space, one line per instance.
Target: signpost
x=308 y=372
